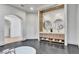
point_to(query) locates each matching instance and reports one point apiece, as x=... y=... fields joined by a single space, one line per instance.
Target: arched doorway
x=13 y=30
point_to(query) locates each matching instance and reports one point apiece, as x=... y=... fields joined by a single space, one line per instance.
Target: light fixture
x=31 y=8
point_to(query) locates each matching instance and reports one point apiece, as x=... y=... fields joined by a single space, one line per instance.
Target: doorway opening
x=13 y=29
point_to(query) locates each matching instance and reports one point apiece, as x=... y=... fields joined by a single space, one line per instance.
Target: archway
x=13 y=31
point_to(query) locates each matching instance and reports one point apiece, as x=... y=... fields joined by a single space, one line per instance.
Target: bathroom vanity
x=52 y=37
x=51 y=24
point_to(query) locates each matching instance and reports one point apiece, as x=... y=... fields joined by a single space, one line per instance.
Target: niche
x=51 y=22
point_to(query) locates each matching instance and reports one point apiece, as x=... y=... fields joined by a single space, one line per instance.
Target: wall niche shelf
x=57 y=37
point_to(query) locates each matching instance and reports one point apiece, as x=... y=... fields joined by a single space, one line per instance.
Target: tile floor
x=44 y=47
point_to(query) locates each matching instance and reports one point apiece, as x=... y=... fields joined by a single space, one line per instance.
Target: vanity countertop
x=51 y=33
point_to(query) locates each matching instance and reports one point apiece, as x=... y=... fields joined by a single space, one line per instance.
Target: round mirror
x=58 y=24
x=48 y=25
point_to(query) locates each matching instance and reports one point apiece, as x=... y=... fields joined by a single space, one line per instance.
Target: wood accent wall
x=53 y=8
x=41 y=21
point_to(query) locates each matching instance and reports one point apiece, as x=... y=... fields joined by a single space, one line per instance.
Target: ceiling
x=36 y=7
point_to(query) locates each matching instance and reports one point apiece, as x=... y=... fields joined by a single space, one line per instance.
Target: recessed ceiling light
x=31 y=8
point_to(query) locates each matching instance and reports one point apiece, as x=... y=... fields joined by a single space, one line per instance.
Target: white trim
x=38 y=27
x=65 y=14
x=77 y=26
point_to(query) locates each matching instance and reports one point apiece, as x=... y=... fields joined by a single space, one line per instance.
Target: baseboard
x=73 y=45
x=2 y=44
x=31 y=39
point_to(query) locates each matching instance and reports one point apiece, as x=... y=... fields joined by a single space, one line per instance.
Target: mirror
x=58 y=24
x=48 y=25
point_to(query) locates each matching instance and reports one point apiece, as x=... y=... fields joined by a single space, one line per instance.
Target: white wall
x=72 y=23
x=32 y=26
x=78 y=24
x=2 y=13
x=7 y=10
